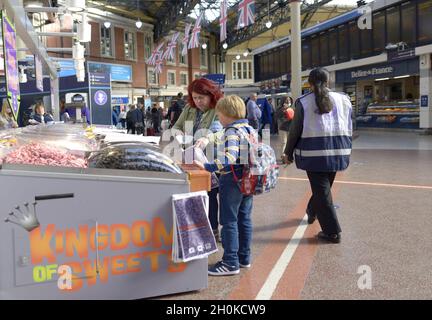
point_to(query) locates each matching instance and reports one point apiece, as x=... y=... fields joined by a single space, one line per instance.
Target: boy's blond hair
x=232 y=106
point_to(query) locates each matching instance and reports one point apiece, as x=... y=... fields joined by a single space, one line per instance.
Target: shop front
x=384 y=95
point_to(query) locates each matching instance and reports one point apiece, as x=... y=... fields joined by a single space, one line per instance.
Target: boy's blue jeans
x=235 y=218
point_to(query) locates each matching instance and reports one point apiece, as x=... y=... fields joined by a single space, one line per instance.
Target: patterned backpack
x=261 y=173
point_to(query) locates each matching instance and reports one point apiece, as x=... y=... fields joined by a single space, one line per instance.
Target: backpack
x=261 y=173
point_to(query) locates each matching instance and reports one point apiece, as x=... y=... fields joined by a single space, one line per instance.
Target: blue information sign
x=424 y=101
x=119 y=72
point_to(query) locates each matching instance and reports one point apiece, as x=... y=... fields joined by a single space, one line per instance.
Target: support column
x=295 y=48
x=426 y=91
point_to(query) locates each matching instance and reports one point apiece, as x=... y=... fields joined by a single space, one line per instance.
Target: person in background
x=235 y=207
x=203 y=94
x=284 y=116
x=131 y=119
x=155 y=117
x=7 y=120
x=266 y=114
x=114 y=116
x=122 y=116
x=253 y=111
x=139 y=120
x=320 y=136
x=274 y=125
x=40 y=116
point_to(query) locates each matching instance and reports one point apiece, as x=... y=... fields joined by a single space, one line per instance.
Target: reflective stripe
x=313 y=134
x=323 y=153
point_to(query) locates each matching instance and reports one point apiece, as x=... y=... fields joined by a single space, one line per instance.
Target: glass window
x=425 y=21
x=366 y=42
x=343 y=43
x=306 y=54
x=234 y=70
x=106 y=45
x=182 y=59
x=183 y=79
x=129 y=45
x=284 y=61
x=147 y=46
x=333 y=41
x=378 y=30
x=324 y=52
x=245 y=70
x=354 y=40
x=171 y=78
x=239 y=70
x=393 y=25
x=270 y=64
x=249 y=70
x=288 y=58
x=152 y=76
x=408 y=20
x=203 y=57
x=315 y=51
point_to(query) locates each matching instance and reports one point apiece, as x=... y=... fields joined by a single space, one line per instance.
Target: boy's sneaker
x=223 y=269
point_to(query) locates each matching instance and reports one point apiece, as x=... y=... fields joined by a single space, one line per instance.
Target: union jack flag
x=246 y=13
x=185 y=40
x=169 y=50
x=155 y=54
x=223 y=21
x=194 y=41
x=158 y=65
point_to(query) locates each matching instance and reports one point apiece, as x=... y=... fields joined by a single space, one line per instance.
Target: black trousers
x=213 y=208
x=321 y=202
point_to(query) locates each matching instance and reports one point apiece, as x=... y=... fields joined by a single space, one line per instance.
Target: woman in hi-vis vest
x=320 y=139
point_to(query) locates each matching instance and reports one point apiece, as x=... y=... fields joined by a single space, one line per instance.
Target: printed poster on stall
x=11 y=64
x=39 y=74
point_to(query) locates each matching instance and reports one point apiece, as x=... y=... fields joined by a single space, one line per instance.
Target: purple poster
x=11 y=63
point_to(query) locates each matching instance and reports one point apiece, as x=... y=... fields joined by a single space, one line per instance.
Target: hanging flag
x=194 y=41
x=158 y=65
x=169 y=50
x=223 y=21
x=246 y=13
x=156 y=52
x=185 y=40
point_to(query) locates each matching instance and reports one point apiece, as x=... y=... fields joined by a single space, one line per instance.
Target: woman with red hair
x=203 y=94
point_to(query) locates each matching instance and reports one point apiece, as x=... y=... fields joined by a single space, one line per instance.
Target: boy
x=235 y=208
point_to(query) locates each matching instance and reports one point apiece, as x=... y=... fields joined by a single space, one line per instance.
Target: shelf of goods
x=386 y=115
x=85 y=231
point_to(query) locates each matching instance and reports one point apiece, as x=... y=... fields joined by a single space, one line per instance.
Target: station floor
x=384 y=206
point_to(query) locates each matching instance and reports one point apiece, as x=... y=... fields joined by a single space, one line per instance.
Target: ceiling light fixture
x=268 y=24
x=138 y=23
x=204 y=46
x=107 y=24
x=245 y=54
x=76 y=5
x=225 y=45
x=238 y=57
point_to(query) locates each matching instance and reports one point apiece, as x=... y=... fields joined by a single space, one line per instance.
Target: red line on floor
x=294 y=278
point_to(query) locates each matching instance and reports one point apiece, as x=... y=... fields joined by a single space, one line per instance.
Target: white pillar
x=425 y=91
x=295 y=49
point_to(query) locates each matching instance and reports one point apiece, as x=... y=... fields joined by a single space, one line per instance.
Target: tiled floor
x=384 y=202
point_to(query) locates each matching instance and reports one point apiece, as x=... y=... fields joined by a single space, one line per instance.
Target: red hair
x=205 y=87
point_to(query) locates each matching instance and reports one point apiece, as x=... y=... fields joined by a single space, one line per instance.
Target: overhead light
x=400 y=77
x=268 y=24
x=238 y=57
x=225 y=45
x=245 y=54
x=75 y=5
x=107 y=24
x=138 y=23
x=204 y=46
x=382 y=79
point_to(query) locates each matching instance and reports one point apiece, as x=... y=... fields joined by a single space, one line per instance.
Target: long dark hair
x=318 y=79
